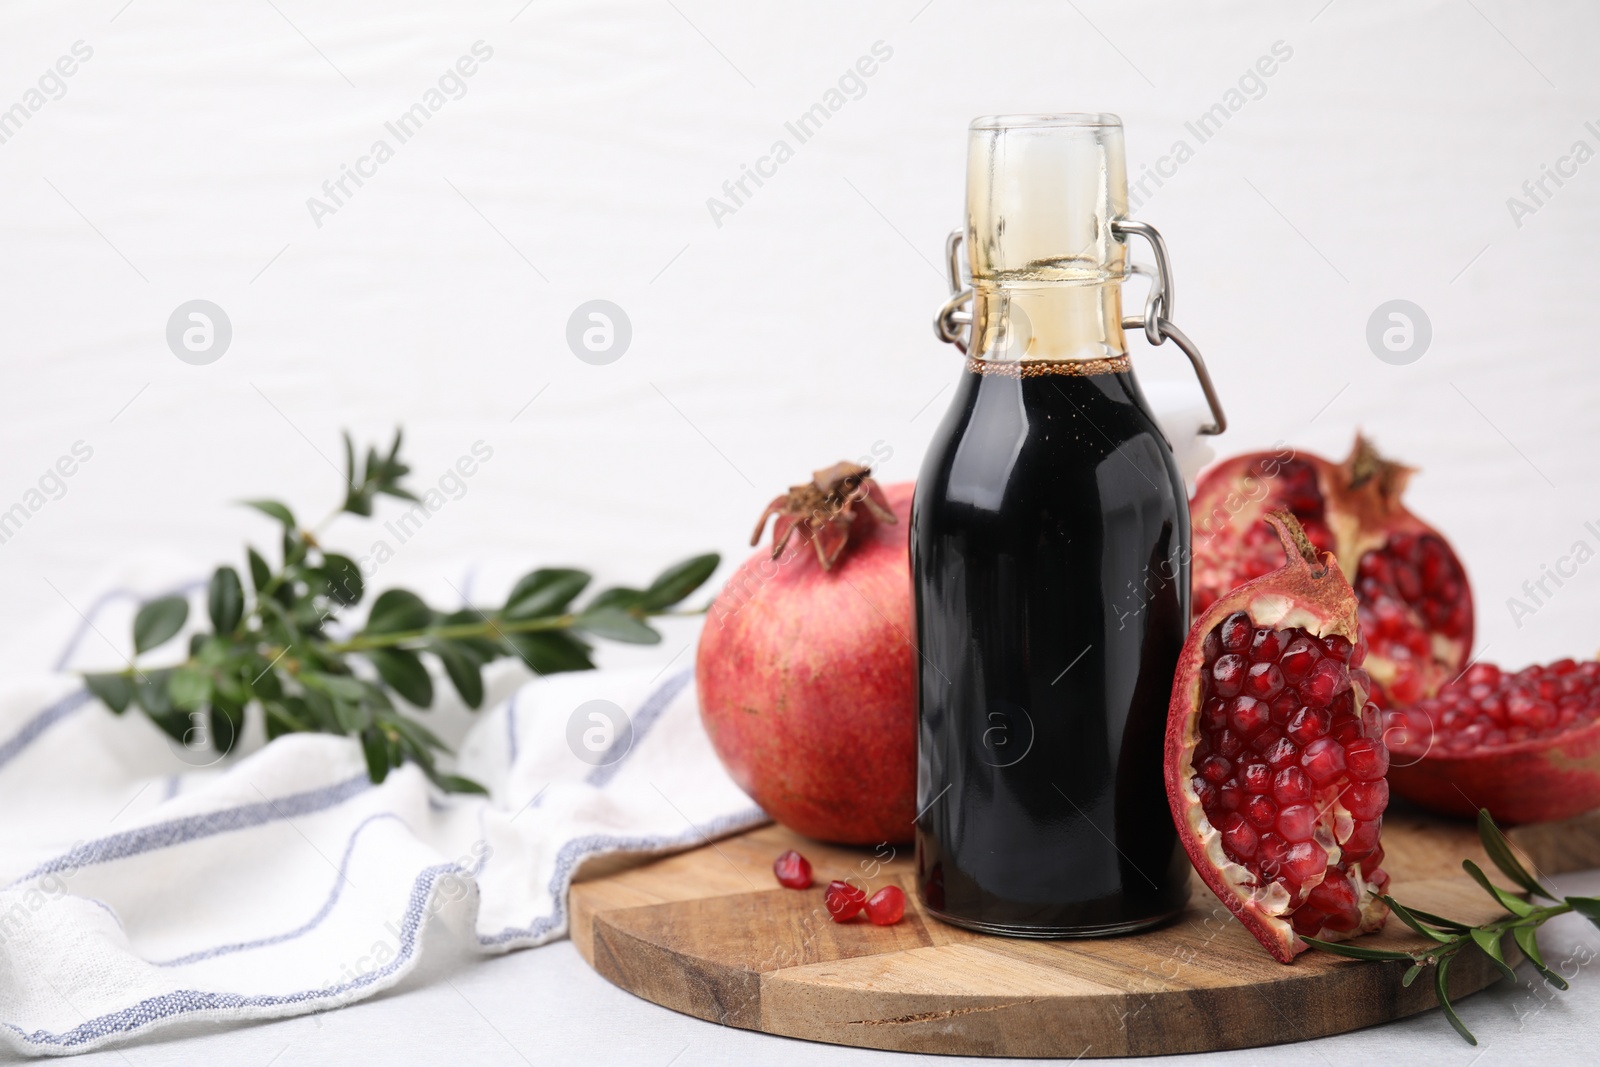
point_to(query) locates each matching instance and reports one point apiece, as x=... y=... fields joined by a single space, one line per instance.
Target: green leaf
x=618 y=597
x=1441 y=989
x=227 y=723
x=546 y=591
x=1436 y=920
x=404 y=673
x=1528 y=941
x=158 y=621
x=1588 y=907
x=464 y=670
x=617 y=625
x=551 y=652
x=294 y=548
x=455 y=783
x=1411 y=919
x=1489 y=941
x=273 y=509
x=343 y=577
x=353 y=718
x=418 y=737
x=189 y=689
x=1513 y=904
x=398 y=611
x=150 y=692
x=1356 y=952
x=1411 y=974
x=115 y=691
x=679 y=580
x=225 y=600
x=1499 y=850
x=375 y=747
x=260 y=573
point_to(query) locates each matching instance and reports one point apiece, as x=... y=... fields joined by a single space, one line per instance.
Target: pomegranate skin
x=1540 y=780
x=807 y=686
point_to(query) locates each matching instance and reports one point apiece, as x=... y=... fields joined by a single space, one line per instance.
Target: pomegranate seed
x=793 y=870
x=1212 y=646
x=1256 y=778
x=1304 y=862
x=1229 y=744
x=1323 y=760
x=843 y=901
x=1236 y=632
x=1290 y=786
x=1324 y=682
x=1347 y=731
x=1363 y=838
x=1366 y=800
x=1273 y=851
x=1263 y=681
x=1284 y=705
x=1230 y=798
x=1366 y=760
x=1339 y=647
x=1239 y=838
x=1261 y=812
x=1216 y=769
x=1205 y=791
x=1297 y=821
x=1307 y=921
x=1268 y=645
x=1248 y=716
x=1266 y=739
x=1282 y=754
x=1214 y=716
x=1227 y=674
x=1308 y=725
x=1334 y=894
x=886 y=906
x=1297 y=661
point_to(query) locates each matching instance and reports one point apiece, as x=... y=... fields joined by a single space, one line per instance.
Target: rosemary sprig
x=1451 y=938
x=270 y=648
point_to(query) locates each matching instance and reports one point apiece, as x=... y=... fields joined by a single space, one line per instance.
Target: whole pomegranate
x=1416 y=603
x=1525 y=745
x=806 y=668
x=1275 y=758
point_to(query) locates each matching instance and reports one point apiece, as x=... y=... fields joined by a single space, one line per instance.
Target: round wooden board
x=710 y=934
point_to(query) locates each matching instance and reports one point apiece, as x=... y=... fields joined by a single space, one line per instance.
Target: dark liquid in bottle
x=1050 y=560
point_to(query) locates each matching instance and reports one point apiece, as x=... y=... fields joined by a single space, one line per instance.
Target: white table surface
x=1374 y=164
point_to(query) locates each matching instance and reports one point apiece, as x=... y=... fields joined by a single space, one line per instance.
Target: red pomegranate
x=1275 y=758
x=1525 y=745
x=806 y=670
x=1416 y=603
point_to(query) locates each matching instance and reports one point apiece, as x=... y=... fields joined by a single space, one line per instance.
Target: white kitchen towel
x=287 y=882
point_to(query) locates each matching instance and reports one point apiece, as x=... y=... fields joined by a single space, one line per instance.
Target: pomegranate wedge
x=1275 y=759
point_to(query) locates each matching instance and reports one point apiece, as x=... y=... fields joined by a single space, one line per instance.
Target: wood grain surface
x=709 y=933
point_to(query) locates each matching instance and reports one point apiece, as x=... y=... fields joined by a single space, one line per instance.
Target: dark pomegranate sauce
x=1050 y=566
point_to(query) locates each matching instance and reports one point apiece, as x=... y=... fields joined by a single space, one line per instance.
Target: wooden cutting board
x=709 y=933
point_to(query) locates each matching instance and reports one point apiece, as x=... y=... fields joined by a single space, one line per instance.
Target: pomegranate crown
x=828 y=511
x=1366 y=467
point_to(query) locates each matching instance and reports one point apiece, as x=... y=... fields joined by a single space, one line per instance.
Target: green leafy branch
x=1450 y=938
x=269 y=646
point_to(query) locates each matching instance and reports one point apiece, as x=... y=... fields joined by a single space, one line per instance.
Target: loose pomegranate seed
x=843 y=901
x=886 y=906
x=793 y=870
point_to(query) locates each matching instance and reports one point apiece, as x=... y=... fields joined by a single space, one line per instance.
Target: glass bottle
x=1050 y=560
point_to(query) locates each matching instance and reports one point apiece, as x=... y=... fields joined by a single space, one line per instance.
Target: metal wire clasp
x=952 y=323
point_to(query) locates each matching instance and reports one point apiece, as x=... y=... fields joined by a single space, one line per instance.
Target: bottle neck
x=1056 y=321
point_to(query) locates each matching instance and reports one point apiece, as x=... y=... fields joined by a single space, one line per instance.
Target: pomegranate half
x=806 y=671
x=1275 y=759
x=1525 y=745
x=1416 y=603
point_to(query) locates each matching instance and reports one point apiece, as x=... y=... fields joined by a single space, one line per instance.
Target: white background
x=1375 y=165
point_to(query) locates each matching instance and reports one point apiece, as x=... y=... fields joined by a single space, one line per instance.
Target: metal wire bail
x=953 y=324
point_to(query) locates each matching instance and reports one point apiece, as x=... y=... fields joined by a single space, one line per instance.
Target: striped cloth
x=285 y=882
